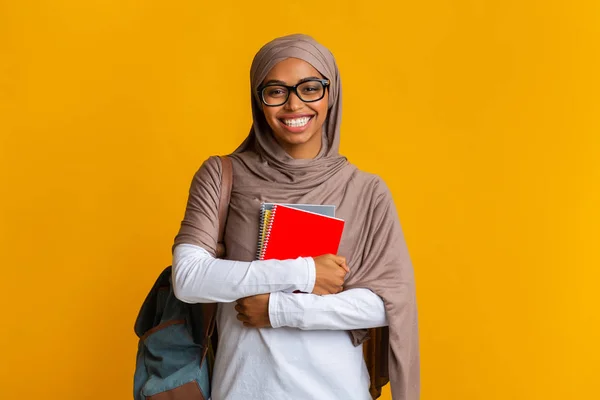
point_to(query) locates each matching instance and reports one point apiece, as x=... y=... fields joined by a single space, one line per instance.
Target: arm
x=198 y=277
x=352 y=309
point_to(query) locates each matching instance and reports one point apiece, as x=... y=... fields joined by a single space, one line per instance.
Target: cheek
x=270 y=113
x=322 y=111
x=266 y=112
x=323 y=107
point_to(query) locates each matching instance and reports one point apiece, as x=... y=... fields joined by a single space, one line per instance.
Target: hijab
x=373 y=242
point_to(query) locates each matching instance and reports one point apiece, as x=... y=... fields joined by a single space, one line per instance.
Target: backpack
x=176 y=342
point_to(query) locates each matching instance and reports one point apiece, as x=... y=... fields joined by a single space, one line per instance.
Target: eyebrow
x=278 y=82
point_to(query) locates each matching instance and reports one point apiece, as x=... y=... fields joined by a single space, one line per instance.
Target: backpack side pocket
x=172 y=361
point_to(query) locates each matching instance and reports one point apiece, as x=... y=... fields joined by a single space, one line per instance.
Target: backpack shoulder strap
x=225 y=196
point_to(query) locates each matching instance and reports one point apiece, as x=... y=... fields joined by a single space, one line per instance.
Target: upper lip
x=294 y=116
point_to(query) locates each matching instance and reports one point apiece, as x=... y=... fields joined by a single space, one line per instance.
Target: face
x=296 y=125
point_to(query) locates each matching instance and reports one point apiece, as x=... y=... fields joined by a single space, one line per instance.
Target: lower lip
x=296 y=129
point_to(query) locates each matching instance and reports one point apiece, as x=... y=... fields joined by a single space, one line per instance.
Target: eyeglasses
x=275 y=94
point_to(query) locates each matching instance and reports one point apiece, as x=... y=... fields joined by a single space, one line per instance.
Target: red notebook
x=294 y=233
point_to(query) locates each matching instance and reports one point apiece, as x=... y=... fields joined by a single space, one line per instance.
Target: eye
x=311 y=88
x=275 y=91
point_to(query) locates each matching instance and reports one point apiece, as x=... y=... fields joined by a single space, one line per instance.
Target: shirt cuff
x=312 y=274
x=274 y=307
x=285 y=310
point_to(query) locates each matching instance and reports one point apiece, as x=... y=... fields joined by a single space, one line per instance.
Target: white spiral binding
x=260 y=228
x=268 y=233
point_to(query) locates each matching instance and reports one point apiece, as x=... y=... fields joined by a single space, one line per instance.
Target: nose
x=294 y=103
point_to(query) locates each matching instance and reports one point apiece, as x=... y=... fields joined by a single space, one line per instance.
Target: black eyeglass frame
x=290 y=89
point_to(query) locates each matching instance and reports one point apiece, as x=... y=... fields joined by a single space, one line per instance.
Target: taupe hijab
x=373 y=242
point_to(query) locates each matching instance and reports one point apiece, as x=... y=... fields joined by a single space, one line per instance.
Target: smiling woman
x=274 y=343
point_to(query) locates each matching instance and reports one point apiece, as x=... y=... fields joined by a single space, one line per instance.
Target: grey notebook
x=323 y=209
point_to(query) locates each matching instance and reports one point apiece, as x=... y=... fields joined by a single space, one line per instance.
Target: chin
x=294 y=139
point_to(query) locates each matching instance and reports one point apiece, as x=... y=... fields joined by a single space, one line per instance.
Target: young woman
x=273 y=343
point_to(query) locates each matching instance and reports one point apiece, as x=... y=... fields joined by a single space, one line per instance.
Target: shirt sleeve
x=352 y=309
x=198 y=277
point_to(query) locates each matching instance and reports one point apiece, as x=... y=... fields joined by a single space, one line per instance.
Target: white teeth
x=297 y=122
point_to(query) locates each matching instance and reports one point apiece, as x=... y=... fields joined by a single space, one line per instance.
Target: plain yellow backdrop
x=482 y=116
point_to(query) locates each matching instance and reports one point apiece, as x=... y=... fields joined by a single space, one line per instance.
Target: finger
x=333 y=289
x=248 y=325
x=341 y=261
x=238 y=308
x=345 y=266
x=243 y=318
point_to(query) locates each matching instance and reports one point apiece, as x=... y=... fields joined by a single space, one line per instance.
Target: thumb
x=341 y=261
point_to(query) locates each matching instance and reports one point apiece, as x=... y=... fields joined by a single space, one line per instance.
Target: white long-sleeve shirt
x=308 y=356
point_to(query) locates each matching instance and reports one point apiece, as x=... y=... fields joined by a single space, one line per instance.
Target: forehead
x=291 y=70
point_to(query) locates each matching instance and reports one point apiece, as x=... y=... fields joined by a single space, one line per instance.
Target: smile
x=296 y=122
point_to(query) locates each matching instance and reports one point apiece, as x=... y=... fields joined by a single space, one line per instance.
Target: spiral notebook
x=293 y=233
x=265 y=214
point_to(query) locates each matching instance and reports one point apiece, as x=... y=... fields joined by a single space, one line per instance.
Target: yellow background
x=482 y=116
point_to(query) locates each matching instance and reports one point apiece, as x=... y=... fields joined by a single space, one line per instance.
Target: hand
x=253 y=311
x=330 y=273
